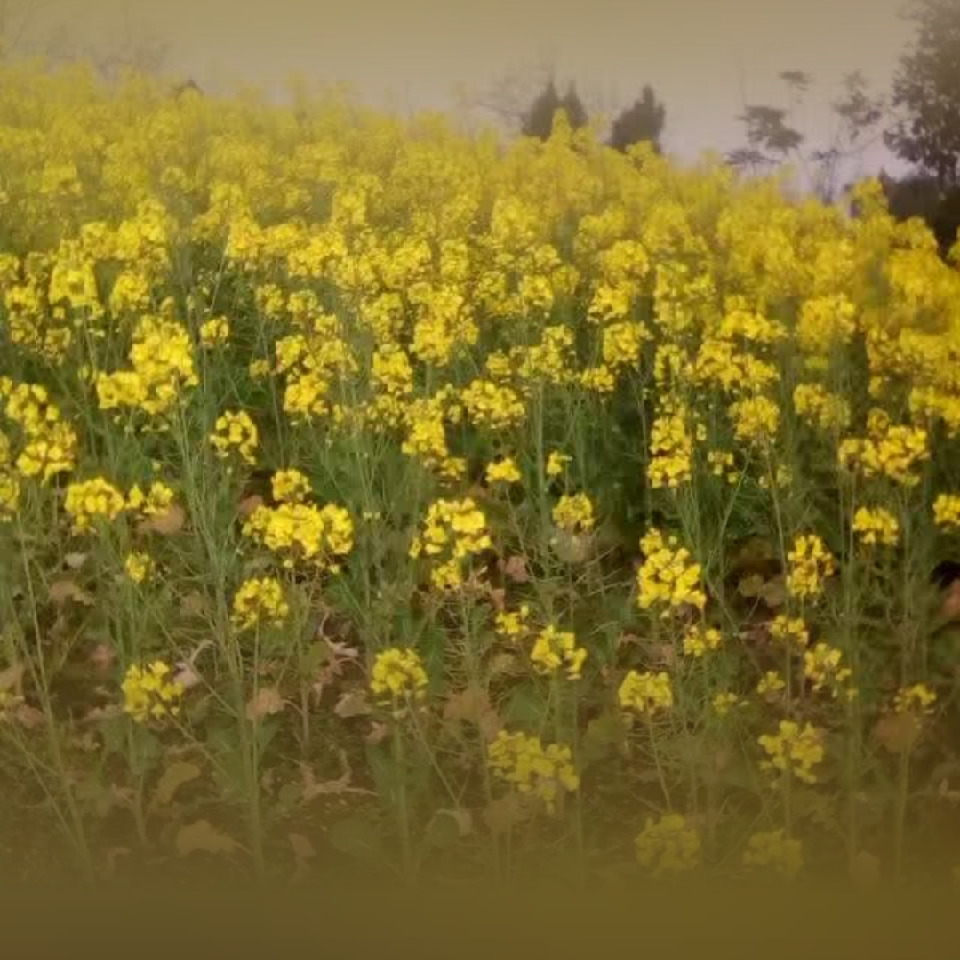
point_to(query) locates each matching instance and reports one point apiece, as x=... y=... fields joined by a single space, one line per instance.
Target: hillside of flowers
x=378 y=498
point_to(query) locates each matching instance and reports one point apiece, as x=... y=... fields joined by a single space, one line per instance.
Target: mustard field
x=378 y=497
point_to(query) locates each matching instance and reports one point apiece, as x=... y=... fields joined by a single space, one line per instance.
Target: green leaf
x=524 y=708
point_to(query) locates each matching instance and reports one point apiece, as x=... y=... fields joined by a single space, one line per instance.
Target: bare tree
x=17 y=17
x=133 y=46
x=772 y=138
x=508 y=98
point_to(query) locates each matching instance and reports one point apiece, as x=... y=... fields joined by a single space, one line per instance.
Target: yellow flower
x=822 y=666
x=810 y=564
x=698 y=640
x=149 y=693
x=290 y=486
x=791 y=631
x=723 y=703
x=573 y=513
x=139 y=566
x=512 y=624
x=554 y=648
x=398 y=674
x=556 y=463
x=235 y=431
x=668 y=576
x=523 y=762
x=775 y=849
x=92 y=500
x=916 y=699
x=795 y=749
x=668 y=845
x=503 y=471
x=214 y=332
x=646 y=693
x=946 y=511
x=770 y=683
x=258 y=601
x=876 y=526
x=454 y=531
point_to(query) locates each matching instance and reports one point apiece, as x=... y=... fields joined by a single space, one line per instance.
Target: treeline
x=918 y=121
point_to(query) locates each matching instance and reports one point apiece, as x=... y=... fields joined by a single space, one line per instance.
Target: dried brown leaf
x=378 y=733
x=266 y=703
x=29 y=717
x=515 y=568
x=172 y=779
x=166 y=524
x=103 y=656
x=194 y=604
x=303 y=849
x=503 y=813
x=353 y=704
x=249 y=504
x=469 y=704
x=11 y=677
x=202 y=836
x=64 y=589
x=498 y=597
x=897 y=732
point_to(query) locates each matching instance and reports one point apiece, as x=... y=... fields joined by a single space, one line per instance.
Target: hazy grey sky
x=702 y=56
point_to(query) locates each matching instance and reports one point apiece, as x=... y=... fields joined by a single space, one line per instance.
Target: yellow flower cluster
x=794 y=749
x=555 y=648
x=259 y=600
x=668 y=576
x=398 y=674
x=214 y=332
x=149 y=693
x=89 y=502
x=671 y=448
x=721 y=464
x=492 y=405
x=453 y=531
x=916 y=699
x=573 y=513
x=876 y=526
x=523 y=761
x=503 y=471
x=777 y=850
x=235 y=431
x=557 y=463
x=290 y=486
x=888 y=450
x=161 y=360
x=139 y=566
x=822 y=666
x=946 y=511
x=810 y=564
x=725 y=701
x=512 y=624
x=303 y=533
x=157 y=500
x=790 y=631
x=699 y=640
x=755 y=420
x=826 y=411
x=668 y=845
x=646 y=693
x=770 y=684
x=50 y=446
